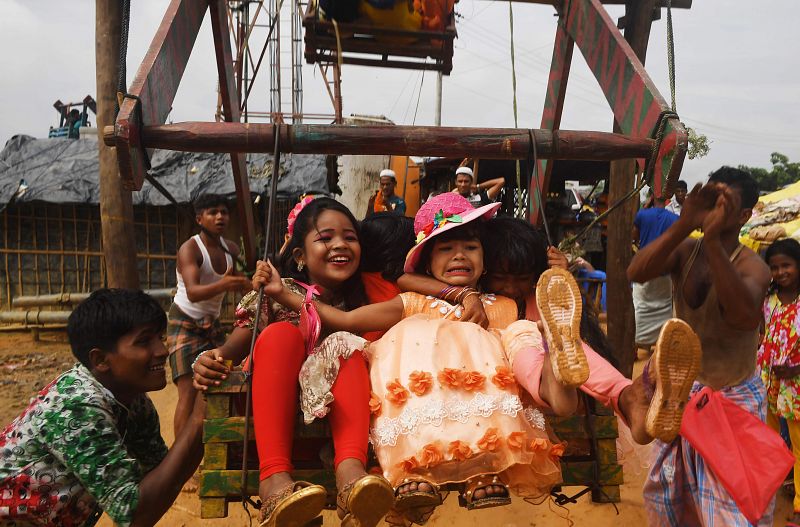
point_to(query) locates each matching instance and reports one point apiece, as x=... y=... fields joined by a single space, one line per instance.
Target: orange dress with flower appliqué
x=445 y=404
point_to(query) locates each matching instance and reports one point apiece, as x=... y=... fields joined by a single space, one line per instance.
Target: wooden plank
x=226 y=483
x=231 y=430
x=582 y=473
x=634 y=99
x=215 y=456
x=553 y=107
x=217 y=405
x=230 y=105
x=234 y=384
x=213 y=508
x=156 y=84
x=484 y=143
x=575 y=426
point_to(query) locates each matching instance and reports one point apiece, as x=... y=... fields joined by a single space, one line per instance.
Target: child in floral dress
x=779 y=355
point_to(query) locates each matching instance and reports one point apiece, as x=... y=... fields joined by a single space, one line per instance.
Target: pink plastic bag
x=749 y=458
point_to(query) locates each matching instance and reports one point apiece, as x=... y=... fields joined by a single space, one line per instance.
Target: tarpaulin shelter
x=50 y=214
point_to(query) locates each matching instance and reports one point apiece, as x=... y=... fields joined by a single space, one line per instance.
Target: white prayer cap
x=388 y=172
x=464 y=170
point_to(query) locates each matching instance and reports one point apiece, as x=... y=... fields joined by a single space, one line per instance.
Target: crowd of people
x=442 y=341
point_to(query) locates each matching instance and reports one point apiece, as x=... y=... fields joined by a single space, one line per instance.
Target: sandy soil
x=26 y=366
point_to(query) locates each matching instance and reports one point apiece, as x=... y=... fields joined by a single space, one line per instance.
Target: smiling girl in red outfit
x=322 y=260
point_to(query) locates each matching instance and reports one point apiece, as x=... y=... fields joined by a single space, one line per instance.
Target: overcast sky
x=738 y=73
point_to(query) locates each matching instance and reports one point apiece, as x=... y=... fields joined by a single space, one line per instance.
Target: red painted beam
x=155 y=85
x=230 y=105
x=553 y=107
x=634 y=99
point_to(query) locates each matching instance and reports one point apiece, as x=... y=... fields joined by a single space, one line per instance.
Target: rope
x=671 y=54
x=276 y=156
x=661 y=124
x=122 y=84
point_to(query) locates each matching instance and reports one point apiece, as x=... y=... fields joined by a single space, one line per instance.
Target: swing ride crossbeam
x=488 y=143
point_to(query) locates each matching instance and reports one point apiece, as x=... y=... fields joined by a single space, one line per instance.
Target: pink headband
x=295 y=211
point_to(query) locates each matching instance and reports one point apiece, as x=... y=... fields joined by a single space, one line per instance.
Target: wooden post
x=622 y=178
x=116 y=207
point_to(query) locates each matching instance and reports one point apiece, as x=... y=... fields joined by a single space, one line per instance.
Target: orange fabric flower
x=450 y=377
x=459 y=450
x=504 y=378
x=396 y=393
x=374 y=404
x=491 y=441
x=473 y=380
x=408 y=464
x=431 y=455
x=538 y=444
x=420 y=382
x=517 y=440
x=557 y=450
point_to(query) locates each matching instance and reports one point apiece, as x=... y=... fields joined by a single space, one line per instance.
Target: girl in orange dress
x=446 y=407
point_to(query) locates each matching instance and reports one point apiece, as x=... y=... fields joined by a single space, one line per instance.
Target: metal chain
x=514 y=96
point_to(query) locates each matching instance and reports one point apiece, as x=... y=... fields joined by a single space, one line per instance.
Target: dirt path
x=26 y=366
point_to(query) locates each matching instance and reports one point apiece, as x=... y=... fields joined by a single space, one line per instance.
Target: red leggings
x=278 y=356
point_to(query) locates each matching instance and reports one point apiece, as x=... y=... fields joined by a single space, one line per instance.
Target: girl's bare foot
x=274 y=484
x=634 y=402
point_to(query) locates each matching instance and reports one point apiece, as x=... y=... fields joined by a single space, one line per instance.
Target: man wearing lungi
x=719 y=286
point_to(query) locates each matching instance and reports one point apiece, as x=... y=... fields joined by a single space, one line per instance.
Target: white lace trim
x=534 y=417
x=436 y=411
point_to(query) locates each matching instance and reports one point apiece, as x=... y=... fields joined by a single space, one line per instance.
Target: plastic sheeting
x=61 y=170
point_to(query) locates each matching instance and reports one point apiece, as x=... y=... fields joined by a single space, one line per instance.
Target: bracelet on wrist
x=198 y=358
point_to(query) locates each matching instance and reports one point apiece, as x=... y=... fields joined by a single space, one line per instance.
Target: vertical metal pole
x=439 y=99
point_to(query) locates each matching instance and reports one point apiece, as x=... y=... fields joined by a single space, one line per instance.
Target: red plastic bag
x=749 y=458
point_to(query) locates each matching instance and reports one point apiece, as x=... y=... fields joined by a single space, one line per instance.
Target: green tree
x=698 y=144
x=782 y=173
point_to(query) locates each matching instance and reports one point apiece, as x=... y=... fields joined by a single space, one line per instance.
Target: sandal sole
x=369 y=501
x=559 y=300
x=677 y=360
x=299 y=509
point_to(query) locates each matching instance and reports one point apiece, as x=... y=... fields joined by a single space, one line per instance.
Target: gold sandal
x=368 y=500
x=417 y=498
x=467 y=497
x=295 y=505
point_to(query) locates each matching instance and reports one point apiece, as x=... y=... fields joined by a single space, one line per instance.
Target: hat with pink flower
x=440 y=214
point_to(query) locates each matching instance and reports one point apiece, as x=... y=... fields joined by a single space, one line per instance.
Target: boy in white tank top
x=205 y=272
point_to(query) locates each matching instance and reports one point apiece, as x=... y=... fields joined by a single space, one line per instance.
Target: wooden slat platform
x=223 y=432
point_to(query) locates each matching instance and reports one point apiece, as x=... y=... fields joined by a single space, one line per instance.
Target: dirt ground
x=26 y=366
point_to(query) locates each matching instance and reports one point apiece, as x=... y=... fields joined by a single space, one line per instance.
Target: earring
x=301 y=265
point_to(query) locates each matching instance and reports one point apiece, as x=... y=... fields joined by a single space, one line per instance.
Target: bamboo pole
x=116 y=207
x=485 y=143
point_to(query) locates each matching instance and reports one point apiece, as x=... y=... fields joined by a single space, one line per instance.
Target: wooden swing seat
x=589 y=461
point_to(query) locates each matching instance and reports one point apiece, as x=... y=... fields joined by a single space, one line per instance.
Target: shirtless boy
x=719 y=287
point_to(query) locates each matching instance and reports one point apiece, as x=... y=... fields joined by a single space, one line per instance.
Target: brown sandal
x=559 y=301
x=295 y=505
x=365 y=501
x=676 y=361
x=417 y=498
x=467 y=497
